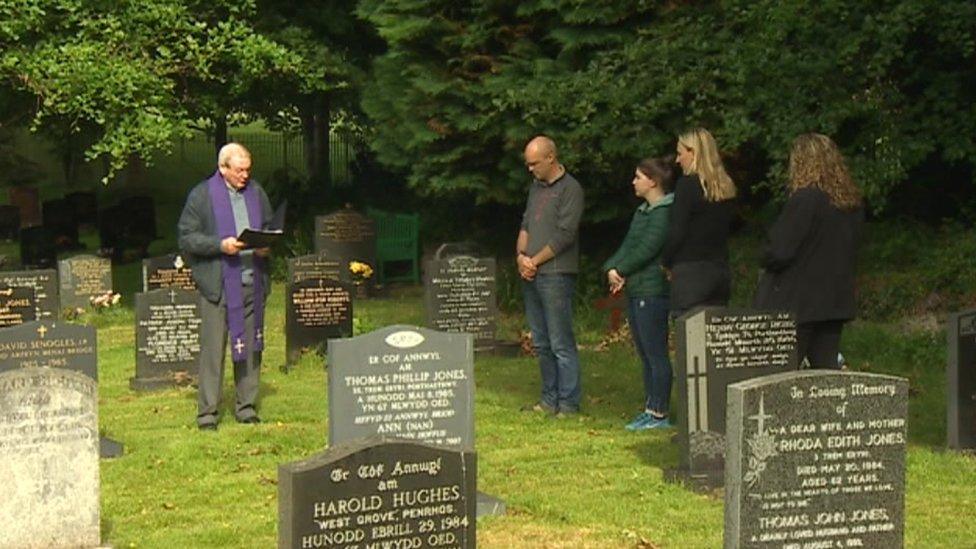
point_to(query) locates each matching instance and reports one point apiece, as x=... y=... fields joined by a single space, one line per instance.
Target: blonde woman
x=810 y=256
x=697 y=253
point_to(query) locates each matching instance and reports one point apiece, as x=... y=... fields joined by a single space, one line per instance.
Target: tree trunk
x=220 y=132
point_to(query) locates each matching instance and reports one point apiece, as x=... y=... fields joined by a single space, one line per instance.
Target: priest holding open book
x=232 y=278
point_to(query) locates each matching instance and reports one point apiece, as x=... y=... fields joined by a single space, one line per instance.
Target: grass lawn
x=568 y=483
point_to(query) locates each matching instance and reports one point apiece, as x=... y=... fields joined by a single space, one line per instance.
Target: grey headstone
x=404 y=382
x=17 y=305
x=715 y=348
x=316 y=310
x=346 y=236
x=313 y=266
x=961 y=381
x=460 y=297
x=50 y=345
x=45 y=285
x=166 y=271
x=167 y=337
x=82 y=277
x=378 y=493
x=816 y=459
x=49 y=459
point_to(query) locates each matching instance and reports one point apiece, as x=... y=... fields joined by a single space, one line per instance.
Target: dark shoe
x=252 y=419
x=207 y=426
x=538 y=407
x=566 y=413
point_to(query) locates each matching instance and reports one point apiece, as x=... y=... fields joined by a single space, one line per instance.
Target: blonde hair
x=815 y=161
x=231 y=150
x=707 y=164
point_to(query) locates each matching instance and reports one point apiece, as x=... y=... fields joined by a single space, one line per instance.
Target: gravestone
x=81 y=278
x=37 y=248
x=315 y=311
x=816 y=459
x=9 y=222
x=167 y=338
x=715 y=348
x=313 y=266
x=378 y=493
x=961 y=381
x=346 y=235
x=460 y=297
x=166 y=271
x=59 y=218
x=45 y=285
x=49 y=459
x=28 y=202
x=17 y=306
x=404 y=382
x=85 y=206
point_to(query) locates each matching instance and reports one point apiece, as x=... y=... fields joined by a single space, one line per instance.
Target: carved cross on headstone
x=761 y=416
x=41 y=330
x=172 y=296
x=697 y=396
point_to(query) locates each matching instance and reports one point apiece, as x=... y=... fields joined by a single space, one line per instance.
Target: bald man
x=233 y=281
x=547 y=255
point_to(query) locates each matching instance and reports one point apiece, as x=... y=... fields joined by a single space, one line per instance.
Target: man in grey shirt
x=547 y=254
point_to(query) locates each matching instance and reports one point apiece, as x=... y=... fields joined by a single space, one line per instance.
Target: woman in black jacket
x=697 y=254
x=810 y=256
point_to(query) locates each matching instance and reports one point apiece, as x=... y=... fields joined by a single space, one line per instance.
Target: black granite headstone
x=405 y=382
x=313 y=266
x=45 y=285
x=346 y=236
x=81 y=278
x=166 y=271
x=37 y=248
x=961 y=381
x=17 y=305
x=167 y=337
x=816 y=459
x=378 y=493
x=9 y=222
x=85 y=206
x=715 y=348
x=315 y=311
x=460 y=296
x=59 y=218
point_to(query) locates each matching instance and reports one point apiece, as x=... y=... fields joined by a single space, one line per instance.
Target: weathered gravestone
x=166 y=271
x=404 y=382
x=816 y=459
x=715 y=348
x=45 y=285
x=85 y=206
x=59 y=218
x=313 y=266
x=37 y=248
x=47 y=344
x=316 y=310
x=378 y=493
x=49 y=459
x=28 y=202
x=961 y=381
x=9 y=222
x=346 y=236
x=81 y=278
x=167 y=338
x=460 y=296
x=17 y=306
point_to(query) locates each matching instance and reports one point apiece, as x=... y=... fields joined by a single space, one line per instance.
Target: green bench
x=397 y=237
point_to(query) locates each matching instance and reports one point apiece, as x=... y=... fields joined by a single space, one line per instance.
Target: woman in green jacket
x=635 y=269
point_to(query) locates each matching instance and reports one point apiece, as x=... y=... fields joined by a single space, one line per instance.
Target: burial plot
x=59 y=218
x=378 y=493
x=316 y=310
x=17 y=306
x=9 y=222
x=81 y=278
x=816 y=459
x=49 y=459
x=37 y=248
x=460 y=297
x=166 y=271
x=717 y=347
x=961 y=381
x=404 y=382
x=167 y=338
x=346 y=235
x=45 y=285
x=313 y=266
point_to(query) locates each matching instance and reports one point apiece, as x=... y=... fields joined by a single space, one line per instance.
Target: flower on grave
x=104 y=301
x=359 y=270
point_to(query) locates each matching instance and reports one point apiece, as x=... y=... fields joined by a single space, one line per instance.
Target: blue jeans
x=549 y=311
x=648 y=317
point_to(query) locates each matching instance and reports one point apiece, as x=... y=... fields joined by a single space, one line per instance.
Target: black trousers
x=819 y=343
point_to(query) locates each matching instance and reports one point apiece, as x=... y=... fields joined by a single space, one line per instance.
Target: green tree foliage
x=464 y=85
x=139 y=73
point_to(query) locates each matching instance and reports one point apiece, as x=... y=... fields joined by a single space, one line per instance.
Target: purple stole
x=233 y=293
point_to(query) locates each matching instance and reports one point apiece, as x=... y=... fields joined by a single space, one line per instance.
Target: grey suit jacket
x=200 y=244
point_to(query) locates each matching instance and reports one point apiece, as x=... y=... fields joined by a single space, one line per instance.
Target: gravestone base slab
x=701 y=481
x=159 y=383
x=501 y=348
x=489 y=506
x=108 y=448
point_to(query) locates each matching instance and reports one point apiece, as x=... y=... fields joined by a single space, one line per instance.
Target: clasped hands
x=615 y=281
x=527 y=269
x=233 y=246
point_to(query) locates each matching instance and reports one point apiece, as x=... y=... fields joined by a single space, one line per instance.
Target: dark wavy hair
x=815 y=161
